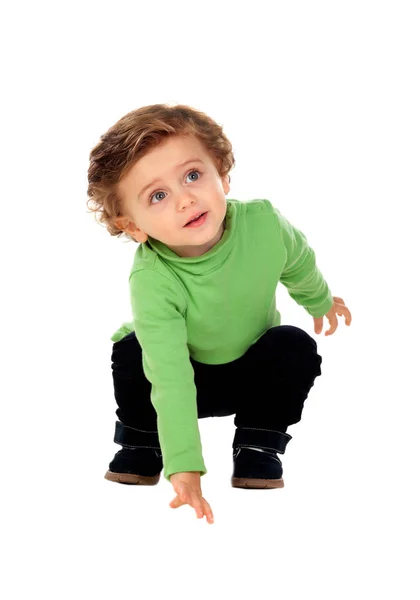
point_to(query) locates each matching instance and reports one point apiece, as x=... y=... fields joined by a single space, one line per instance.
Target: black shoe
x=255 y=460
x=141 y=466
x=140 y=460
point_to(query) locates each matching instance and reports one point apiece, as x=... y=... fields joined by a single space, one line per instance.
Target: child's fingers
x=185 y=499
x=347 y=315
x=180 y=491
x=208 y=512
x=202 y=508
x=183 y=494
x=193 y=498
x=176 y=502
x=196 y=503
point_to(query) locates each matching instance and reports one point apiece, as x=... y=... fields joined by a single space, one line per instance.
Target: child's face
x=162 y=210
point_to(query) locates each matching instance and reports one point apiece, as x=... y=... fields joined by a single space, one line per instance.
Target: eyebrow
x=190 y=160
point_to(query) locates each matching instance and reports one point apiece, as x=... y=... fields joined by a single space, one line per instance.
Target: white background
x=321 y=103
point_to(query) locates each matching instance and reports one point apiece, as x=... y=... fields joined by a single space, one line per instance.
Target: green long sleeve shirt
x=213 y=307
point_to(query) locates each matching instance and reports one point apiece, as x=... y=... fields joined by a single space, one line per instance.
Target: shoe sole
x=260 y=484
x=132 y=478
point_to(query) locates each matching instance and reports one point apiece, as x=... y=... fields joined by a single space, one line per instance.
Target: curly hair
x=135 y=134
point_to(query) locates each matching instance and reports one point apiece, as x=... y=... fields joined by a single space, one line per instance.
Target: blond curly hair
x=130 y=138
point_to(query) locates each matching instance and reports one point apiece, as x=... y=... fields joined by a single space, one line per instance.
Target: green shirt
x=213 y=307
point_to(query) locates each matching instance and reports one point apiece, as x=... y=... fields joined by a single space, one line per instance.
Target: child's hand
x=188 y=488
x=338 y=308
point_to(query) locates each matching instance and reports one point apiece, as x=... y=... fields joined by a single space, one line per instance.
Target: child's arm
x=301 y=276
x=158 y=307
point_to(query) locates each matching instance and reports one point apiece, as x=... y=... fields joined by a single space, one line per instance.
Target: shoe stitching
x=257 y=429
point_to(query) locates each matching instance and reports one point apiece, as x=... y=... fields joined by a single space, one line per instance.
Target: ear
x=125 y=225
x=226 y=183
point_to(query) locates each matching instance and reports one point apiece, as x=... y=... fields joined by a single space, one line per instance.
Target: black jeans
x=265 y=388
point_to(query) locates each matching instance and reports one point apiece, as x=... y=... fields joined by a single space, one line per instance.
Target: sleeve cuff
x=321 y=310
x=182 y=466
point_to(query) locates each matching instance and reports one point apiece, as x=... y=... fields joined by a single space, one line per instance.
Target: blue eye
x=151 y=197
x=194 y=171
x=156 y=193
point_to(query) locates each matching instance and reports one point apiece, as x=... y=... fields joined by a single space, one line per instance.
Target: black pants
x=265 y=388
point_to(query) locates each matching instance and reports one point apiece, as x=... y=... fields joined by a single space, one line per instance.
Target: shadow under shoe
x=255 y=461
x=139 y=462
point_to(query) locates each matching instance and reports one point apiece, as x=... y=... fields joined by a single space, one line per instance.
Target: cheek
x=166 y=222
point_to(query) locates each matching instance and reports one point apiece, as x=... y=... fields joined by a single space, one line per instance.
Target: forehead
x=174 y=150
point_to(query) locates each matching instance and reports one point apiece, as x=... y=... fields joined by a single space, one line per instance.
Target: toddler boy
x=206 y=338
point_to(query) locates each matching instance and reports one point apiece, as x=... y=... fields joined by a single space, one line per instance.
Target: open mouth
x=197 y=221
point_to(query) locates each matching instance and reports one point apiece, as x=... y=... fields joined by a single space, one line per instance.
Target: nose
x=184 y=200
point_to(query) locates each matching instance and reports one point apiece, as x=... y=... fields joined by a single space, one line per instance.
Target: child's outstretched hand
x=338 y=308
x=188 y=489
